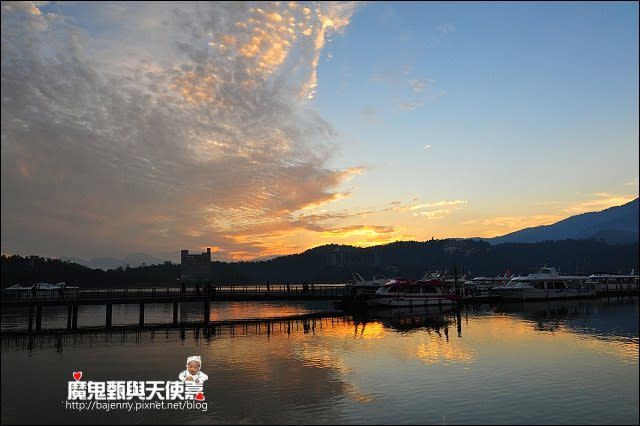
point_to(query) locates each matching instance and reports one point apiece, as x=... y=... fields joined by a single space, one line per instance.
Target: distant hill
x=336 y=263
x=105 y=263
x=614 y=225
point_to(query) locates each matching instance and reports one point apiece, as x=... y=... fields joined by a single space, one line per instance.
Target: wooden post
x=30 y=317
x=69 y=310
x=74 y=320
x=109 y=315
x=175 y=313
x=141 y=322
x=206 y=311
x=38 y=317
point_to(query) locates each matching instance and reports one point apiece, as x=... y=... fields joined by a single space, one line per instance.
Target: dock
x=37 y=300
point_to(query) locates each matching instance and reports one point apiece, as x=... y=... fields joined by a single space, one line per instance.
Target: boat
x=361 y=288
x=484 y=285
x=546 y=283
x=606 y=282
x=403 y=292
x=451 y=279
x=39 y=287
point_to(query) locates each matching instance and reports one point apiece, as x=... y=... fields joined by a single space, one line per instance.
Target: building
x=195 y=267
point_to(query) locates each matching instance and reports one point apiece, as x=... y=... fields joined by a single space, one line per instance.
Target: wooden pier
x=36 y=301
x=73 y=298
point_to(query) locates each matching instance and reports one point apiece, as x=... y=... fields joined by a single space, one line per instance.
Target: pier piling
x=141 y=321
x=38 y=317
x=30 y=318
x=206 y=310
x=69 y=311
x=74 y=319
x=109 y=315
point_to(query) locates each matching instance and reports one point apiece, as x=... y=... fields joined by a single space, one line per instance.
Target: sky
x=263 y=129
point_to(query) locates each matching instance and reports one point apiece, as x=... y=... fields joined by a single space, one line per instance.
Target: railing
x=178 y=293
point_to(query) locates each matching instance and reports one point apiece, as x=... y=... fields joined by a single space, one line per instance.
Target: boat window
x=429 y=289
x=413 y=289
x=539 y=284
x=559 y=284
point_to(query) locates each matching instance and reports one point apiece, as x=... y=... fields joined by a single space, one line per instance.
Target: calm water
x=560 y=362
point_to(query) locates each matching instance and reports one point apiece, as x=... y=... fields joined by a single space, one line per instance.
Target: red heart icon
x=77 y=375
x=200 y=396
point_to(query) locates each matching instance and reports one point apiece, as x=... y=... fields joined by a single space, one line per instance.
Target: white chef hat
x=194 y=358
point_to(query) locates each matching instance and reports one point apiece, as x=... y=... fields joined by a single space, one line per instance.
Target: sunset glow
x=264 y=129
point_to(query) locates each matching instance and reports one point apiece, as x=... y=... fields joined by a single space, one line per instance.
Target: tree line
x=336 y=263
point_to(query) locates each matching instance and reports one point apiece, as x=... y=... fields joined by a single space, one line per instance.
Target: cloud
x=419 y=85
x=500 y=225
x=604 y=201
x=446 y=28
x=411 y=105
x=436 y=204
x=442 y=208
x=369 y=113
x=171 y=127
x=427 y=147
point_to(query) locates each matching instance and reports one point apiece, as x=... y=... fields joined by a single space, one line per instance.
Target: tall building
x=195 y=267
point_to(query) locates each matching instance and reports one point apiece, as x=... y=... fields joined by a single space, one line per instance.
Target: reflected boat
x=403 y=319
x=597 y=318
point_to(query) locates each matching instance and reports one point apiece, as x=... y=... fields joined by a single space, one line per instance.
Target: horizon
x=266 y=130
x=92 y=261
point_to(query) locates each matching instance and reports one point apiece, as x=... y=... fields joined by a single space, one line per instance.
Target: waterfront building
x=195 y=267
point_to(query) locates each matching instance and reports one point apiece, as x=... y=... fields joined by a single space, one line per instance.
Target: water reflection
x=422 y=365
x=406 y=319
x=599 y=318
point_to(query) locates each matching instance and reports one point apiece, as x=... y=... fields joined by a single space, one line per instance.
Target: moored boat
x=605 y=282
x=361 y=288
x=39 y=287
x=546 y=283
x=403 y=292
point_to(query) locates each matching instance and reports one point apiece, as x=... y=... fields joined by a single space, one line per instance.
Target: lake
x=562 y=362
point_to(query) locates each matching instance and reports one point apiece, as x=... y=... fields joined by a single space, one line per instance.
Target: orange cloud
x=604 y=201
x=366 y=230
x=501 y=225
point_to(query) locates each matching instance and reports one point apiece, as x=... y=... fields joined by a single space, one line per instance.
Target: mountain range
x=614 y=225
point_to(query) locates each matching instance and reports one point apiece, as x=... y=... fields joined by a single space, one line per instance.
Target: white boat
x=448 y=278
x=403 y=292
x=365 y=288
x=546 y=283
x=486 y=283
x=39 y=286
x=605 y=282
